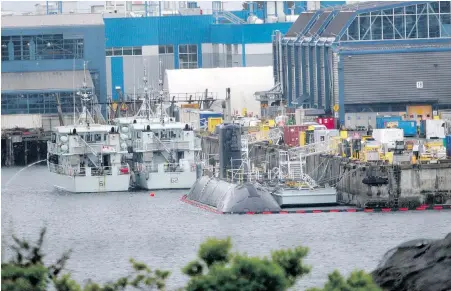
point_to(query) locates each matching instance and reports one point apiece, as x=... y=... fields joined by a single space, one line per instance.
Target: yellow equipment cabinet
x=302 y=138
x=264 y=127
x=213 y=122
x=343 y=134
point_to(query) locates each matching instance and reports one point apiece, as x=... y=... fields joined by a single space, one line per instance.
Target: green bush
x=215 y=269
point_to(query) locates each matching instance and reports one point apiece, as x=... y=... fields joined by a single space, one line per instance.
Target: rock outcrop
x=417 y=265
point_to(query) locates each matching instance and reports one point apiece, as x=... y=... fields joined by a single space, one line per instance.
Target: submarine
x=231 y=196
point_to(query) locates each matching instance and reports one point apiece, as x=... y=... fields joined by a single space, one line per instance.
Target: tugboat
x=87 y=157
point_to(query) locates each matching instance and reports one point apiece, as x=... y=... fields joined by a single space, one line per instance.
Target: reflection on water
x=105 y=230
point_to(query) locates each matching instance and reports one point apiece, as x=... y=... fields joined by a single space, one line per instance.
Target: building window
x=5 y=53
x=137 y=51
x=42 y=47
x=38 y=103
x=188 y=56
x=124 y=51
x=423 y=20
x=165 y=49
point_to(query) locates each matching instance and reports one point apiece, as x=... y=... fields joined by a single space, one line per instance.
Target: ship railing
x=166 y=168
x=123 y=169
x=162 y=145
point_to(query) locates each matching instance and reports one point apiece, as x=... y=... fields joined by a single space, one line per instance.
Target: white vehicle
x=388 y=136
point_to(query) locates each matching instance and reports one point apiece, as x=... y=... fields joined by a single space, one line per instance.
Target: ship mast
x=160 y=86
x=146 y=95
x=85 y=97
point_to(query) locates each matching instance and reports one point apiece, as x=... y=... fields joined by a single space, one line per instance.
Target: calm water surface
x=105 y=230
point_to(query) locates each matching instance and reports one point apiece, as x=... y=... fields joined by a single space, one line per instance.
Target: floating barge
x=290 y=197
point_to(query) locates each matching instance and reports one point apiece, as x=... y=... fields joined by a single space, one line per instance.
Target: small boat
x=304 y=196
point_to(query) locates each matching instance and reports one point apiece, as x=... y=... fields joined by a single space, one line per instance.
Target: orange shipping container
x=192 y=105
x=419 y=112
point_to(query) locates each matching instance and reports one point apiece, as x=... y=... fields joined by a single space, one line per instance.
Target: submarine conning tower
x=229 y=148
x=229 y=196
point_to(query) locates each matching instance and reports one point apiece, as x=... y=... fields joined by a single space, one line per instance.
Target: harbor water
x=105 y=230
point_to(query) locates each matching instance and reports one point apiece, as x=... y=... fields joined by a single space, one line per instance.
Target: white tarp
x=242 y=81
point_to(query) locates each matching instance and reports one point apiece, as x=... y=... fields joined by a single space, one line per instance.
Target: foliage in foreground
x=215 y=269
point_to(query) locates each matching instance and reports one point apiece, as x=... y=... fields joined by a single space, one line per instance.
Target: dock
x=364 y=184
x=21 y=147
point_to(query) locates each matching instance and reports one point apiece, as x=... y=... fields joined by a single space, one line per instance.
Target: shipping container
x=192 y=106
x=291 y=134
x=419 y=112
x=381 y=122
x=204 y=115
x=328 y=122
x=27 y=121
x=388 y=136
x=432 y=129
x=445 y=115
x=408 y=126
x=448 y=146
x=213 y=122
x=190 y=117
x=361 y=119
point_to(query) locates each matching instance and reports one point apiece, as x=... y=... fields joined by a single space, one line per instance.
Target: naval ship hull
x=166 y=181
x=91 y=184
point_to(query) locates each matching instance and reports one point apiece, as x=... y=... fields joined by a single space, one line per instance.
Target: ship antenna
x=146 y=97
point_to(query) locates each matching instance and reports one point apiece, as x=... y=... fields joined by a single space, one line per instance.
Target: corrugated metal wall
x=108 y=77
x=314 y=83
x=293 y=74
x=334 y=57
x=134 y=71
x=192 y=29
x=322 y=76
x=393 y=78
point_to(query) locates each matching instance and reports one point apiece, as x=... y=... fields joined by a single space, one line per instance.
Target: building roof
x=300 y=24
x=34 y=21
x=317 y=25
x=44 y=81
x=335 y=26
x=310 y=23
x=367 y=5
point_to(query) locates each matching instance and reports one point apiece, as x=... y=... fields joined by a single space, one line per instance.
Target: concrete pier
x=406 y=185
x=364 y=184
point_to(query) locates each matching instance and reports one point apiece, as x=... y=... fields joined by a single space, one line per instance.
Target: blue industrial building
x=183 y=42
x=369 y=56
x=43 y=56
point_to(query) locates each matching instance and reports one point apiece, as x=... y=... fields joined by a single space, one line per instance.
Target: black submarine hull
x=229 y=197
